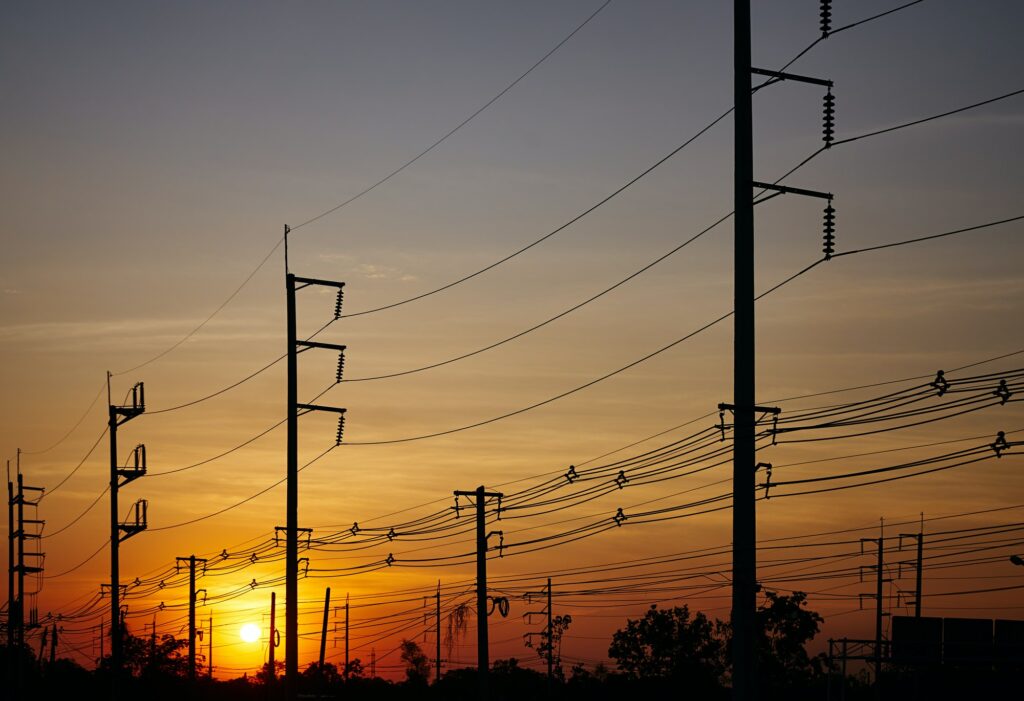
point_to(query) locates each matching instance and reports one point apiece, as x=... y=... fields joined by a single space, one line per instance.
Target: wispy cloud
x=368 y=271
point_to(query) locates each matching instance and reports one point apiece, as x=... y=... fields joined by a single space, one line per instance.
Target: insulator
x=341 y=365
x=341 y=429
x=826 y=17
x=337 y=303
x=829 y=118
x=829 y=231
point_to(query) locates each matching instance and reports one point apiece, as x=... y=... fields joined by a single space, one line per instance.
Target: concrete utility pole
x=437 y=624
x=744 y=523
x=191 y=561
x=209 y=661
x=879 y=614
x=744 y=530
x=273 y=635
x=919 y=537
x=482 y=652
x=294 y=283
x=346 y=636
x=118 y=415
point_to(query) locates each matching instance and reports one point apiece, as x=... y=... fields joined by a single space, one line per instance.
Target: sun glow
x=250 y=632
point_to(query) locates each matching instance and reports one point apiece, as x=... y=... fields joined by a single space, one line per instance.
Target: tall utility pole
x=191 y=561
x=323 y=628
x=482 y=652
x=21 y=534
x=744 y=523
x=118 y=415
x=294 y=283
x=744 y=530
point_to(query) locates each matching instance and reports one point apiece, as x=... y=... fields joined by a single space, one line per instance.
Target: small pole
x=192 y=618
x=551 y=644
x=209 y=659
x=323 y=629
x=437 y=623
x=273 y=634
x=346 y=635
x=878 y=617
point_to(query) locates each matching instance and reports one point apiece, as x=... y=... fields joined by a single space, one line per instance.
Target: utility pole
x=551 y=642
x=10 y=566
x=437 y=624
x=482 y=652
x=294 y=283
x=919 y=537
x=16 y=622
x=53 y=644
x=273 y=636
x=323 y=628
x=209 y=660
x=191 y=561
x=116 y=416
x=744 y=530
x=744 y=523
x=547 y=635
x=879 y=614
x=346 y=635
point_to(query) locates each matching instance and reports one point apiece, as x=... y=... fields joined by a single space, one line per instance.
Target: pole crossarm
x=785 y=189
x=779 y=75
x=307 y=281
x=318 y=407
x=318 y=344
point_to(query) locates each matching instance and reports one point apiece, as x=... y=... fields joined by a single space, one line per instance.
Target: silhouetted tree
x=671 y=644
x=417 y=664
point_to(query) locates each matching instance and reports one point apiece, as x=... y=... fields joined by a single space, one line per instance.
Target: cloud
x=12 y=291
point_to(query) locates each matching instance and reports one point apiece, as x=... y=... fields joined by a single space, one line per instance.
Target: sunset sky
x=153 y=153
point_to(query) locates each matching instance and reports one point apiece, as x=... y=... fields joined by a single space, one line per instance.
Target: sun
x=250 y=632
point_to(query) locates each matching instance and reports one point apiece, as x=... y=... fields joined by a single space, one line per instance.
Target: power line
x=461 y=124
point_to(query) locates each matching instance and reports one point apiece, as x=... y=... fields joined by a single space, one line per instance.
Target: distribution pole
x=22 y=534
x=10 y=564
x=294 y=283
x=116 y=416
x=744 y=536
x=551 y=643
x=346 y=635
x=879 y=580
x=273 y=636
x=920 y=563
x=191 y=560
x=209 y=633
x=483 y=662
x=53 y=644
x=323 y=628
x=291 y=593
x=437 y=624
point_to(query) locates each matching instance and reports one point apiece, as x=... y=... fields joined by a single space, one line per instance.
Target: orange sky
x=154 y=158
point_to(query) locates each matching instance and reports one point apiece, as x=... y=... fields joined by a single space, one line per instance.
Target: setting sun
x=250 y=632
